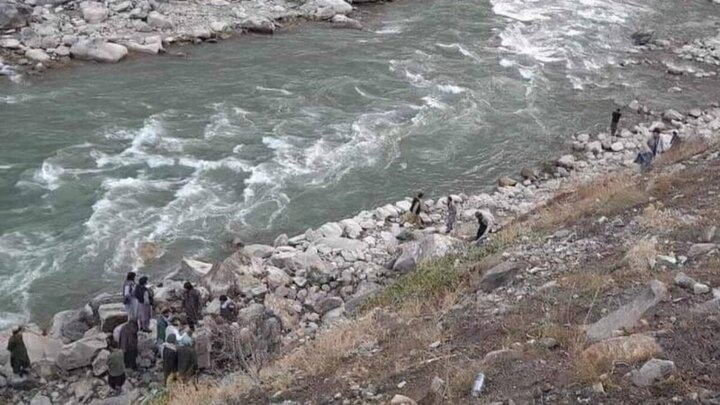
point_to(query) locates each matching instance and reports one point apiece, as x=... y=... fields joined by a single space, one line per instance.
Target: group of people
x=657 y=144
x=484 y=218
x=175 y=342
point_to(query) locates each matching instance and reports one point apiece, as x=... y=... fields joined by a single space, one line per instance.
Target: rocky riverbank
x=289 y=291
x=40 y=34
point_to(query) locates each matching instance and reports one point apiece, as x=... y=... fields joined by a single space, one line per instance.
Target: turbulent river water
x=263 y=135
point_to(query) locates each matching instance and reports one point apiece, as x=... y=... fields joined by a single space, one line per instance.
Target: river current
x=263 y=135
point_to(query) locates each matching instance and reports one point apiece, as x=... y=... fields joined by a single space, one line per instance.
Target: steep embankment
x=602 y=295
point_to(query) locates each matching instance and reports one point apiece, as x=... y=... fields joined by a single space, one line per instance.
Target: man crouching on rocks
x=485 y=222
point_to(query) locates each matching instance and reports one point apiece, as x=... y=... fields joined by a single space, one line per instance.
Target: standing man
x=19 y=359
x=128 y=296
x=163 y=321
x=614 y=123
x=144 y=303
x=116 y=367
x=129 y=343
x=191 y=304
x=452 y=215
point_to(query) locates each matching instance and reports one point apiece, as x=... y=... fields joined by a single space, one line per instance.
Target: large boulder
x=331 y=230
x=498 y=275
x=427 y=247
x=81 y=353
x=240 y=272
x=627 y=349
x=285 y=309
x=277 y=277
x=326 y=9
x=14 y=15
x=629 y=314
x=260 y=251
x=296 y=261
x=111 y=315
x=68 y=326
x=99 y=364
x=98 y=50
x=330 y=243
x=40 y=348
x=351 y=228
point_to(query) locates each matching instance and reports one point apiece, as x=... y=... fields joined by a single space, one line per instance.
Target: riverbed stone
x=98 y=50
x=159 y=21
x=326 y=9
x=68 y=326
x=94 y=12
x=258 y=24
x=260 y=251
x=37 y=55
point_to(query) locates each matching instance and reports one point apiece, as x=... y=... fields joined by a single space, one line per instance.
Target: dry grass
x=607 y=196
x=656 y=218
x=641 y=256
x=686 y=151
x=203 y=394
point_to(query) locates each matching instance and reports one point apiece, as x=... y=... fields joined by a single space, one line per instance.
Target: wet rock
x=642 y=37
x=628 y=349
x=652 y=371
x=98 y=50
x=627 y=316
x=258 y=24
x=81 y=353
x=529 y=174
x=149 y=49
x=498 y=275
x=506 y=181
x=343 y=21
x=14 y=15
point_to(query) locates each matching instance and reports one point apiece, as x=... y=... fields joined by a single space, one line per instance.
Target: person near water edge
x=144 y=302
x=19 y=359
x=128 y=296
x=452 y=215
x=614 y=122
x=191 y=304
x=129 y=344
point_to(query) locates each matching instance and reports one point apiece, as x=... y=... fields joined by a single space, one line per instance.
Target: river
x=262 y=135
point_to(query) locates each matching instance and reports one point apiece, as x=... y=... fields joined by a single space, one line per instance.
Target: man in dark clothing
x=129 y=343
x=191 y=304
x=116 y=367
x=169 y=357
x=186 y=362
x=19 y=359
x=227 y=309
x=615 y=120
x=484 y=224
x=415 y=210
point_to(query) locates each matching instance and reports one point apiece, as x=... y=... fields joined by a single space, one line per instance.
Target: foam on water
x=580 y=34
x=272 y=90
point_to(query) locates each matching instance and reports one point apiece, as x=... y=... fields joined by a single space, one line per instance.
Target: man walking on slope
x=614 y=123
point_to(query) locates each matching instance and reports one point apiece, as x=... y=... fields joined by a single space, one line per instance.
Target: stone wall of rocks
x=38 y=34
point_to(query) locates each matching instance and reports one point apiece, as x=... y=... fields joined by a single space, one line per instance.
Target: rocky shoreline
x=39 y=34
x=289 y=291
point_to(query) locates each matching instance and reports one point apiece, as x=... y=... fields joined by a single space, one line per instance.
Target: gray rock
x=700 y=249
x=258 y=24
x=343 y=21
x=325 y=9
x=326 y=304
x=617 y=147
x=260 y=251
x=159 y=21
x=9 y=43
x=14 y=15
x=68 y=326
x=708 y=234
x=111 y=315
x=98 y=50
x=672 y=115
x=652 y=371
x=297 y=261
x=430 y=246
x=498 y=275
x=700 y=288
x=642 y=37
x=81 y=353
x=150 y=49
x=281 y=240
x=37 y=55
x=529 y=174
x=93 y=12
x=127 y=398
x=506 y=181
x=684 y=281
x=122 y=6
x=627 y=316
x=40 y=399
x=277 y=277
x=566 y=161
x=99 y=364
x=240 y=272
x=351 y=228
x=594 y=147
